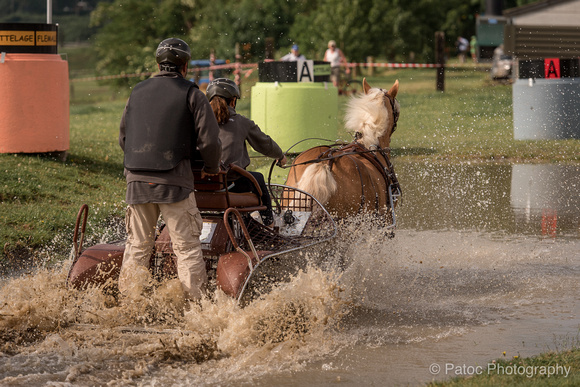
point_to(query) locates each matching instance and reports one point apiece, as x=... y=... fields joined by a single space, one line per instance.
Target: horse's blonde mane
x=368 y=115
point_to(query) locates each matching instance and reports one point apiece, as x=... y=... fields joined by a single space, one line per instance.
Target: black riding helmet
x=223 y=87
x=174 y=51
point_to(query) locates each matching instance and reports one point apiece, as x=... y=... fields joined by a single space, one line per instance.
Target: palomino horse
x=357 y=177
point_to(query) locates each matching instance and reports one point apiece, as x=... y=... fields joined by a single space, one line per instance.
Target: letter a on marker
x=305 y=72
x=552 y=68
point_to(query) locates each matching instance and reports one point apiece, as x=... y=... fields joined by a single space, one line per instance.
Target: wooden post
x=371 y=68
x=237 y=70
x=269 y=54
x=211 y=63
x=440 y=59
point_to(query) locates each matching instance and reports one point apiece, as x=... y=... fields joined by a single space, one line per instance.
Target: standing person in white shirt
x=335 y=56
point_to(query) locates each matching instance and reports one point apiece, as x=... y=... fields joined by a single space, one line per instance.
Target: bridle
x=393 y=108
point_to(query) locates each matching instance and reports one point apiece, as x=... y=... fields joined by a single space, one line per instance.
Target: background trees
x=128 y=31
x=394 y=29
x=389 y=29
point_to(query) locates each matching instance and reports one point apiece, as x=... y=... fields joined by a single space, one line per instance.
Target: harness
x=353 y=149
x=386 y=169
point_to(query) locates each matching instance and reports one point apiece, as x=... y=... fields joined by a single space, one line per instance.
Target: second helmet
x=223 y=87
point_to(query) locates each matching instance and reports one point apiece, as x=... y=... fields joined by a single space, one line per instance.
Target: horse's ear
x=366 y=86
x=393 y=90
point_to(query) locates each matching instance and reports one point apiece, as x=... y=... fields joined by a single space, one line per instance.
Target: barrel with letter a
x=546 y=99
x=294 y=101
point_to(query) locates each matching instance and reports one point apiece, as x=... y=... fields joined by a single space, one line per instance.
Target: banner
x=28 y=38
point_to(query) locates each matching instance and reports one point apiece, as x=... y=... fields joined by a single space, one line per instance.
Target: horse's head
x=373 y=115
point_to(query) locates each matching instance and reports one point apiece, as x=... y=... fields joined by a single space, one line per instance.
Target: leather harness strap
x=356 y=149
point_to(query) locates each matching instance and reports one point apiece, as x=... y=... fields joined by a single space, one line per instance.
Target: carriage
x=243 y=257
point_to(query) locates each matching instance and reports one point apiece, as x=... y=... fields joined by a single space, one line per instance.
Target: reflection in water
x=513 y=199
x=465 y=279
x=548 y=195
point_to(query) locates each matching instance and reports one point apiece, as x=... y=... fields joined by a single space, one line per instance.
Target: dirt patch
x=16 y=258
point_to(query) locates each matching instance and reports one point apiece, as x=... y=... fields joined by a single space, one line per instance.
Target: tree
x=355 y=25
x=130 y=31
x=247 y=22
x=38 y=7
x=393 y=29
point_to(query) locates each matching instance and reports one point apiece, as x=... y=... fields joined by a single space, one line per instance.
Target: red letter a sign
x=552 y=68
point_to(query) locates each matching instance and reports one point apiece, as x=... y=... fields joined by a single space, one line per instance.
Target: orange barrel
x=34 y=103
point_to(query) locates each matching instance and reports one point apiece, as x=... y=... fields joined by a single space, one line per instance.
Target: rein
x=353 y=149
x=336 y=156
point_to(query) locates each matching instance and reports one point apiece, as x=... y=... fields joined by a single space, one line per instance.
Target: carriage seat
x=212 y=192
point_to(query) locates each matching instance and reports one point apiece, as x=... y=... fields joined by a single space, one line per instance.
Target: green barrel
x=290 y=112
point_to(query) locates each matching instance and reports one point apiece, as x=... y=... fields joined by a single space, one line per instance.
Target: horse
x=357 y=177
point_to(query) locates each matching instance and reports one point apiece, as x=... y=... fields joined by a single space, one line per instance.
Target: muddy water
x=486 y=260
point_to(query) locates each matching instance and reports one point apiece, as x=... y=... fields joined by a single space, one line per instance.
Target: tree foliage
x=394 y=29
x=390 y=29
x=130 y=31
x=8 y=7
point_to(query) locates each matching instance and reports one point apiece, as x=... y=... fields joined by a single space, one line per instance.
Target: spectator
x=462 y=45
x=293 y=55
x=336 y=58
x=473 y=48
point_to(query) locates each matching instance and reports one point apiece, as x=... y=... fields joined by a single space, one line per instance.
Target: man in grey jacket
x=166 y=118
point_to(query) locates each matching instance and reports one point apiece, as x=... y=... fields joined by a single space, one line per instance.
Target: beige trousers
x=185 y=224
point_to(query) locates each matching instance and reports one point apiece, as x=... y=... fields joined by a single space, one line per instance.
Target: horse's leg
x=375 y=190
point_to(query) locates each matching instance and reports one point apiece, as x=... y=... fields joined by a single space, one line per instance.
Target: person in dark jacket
x=235 y=131
x=165 y=119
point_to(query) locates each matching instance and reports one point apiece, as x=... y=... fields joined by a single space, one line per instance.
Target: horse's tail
x=318 y=181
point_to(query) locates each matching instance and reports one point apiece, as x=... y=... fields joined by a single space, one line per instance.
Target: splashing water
x=414 y=299
x=49 y=333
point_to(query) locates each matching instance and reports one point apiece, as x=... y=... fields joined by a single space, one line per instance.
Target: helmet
x=223 y=87
x=174 y=51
